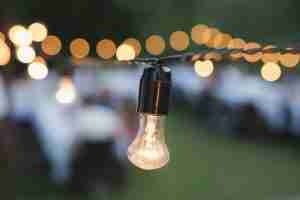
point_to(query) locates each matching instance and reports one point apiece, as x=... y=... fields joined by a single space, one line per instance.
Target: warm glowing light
x=252 y=57
x=270 y=56
x=198 y=32
x=25 y=54
x=106 y=49
x=125 y=53
x=289 y=59
x=179 y=40
x=20 y=36
x=79 y=48
x=2 y=36
x=221 y=40
x=38 y=31
x=236 y=43
x=66 y=92
x=40 y=59
x=5 y=53
x=135 y=44
x=271 y=72
x=37 y=70
x=213 y=56
x=213 y=34
x=51 y=45
x=149 y=151
x=204 y=68
x=155 y=45
x=208 y=35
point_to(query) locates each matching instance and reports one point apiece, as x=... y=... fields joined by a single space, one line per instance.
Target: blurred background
x=65 y=128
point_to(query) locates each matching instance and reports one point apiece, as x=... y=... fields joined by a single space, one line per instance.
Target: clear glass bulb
x=149 y=151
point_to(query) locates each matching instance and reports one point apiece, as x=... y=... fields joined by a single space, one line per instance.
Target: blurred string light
x=2 y=36
x=66 y=93
x=271 y=72
x=214 y=32
x=289 y=59
x=155 y=45
x=38 y=31
x=270 y=56
x=252 y=57
x=135 y=44
x=106 y=49
x=25 y=54
x=20 y=36
x=236 y=43
x=51 y=45
x=221 y=41
x=79 y=48
x=214 y=56
x=197 y=33
x=38 y=69
x=179 y=40
x=204 y=68
x=125 y=52
x=5 y=53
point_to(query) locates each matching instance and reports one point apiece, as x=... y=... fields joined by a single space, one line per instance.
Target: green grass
x=210 y=166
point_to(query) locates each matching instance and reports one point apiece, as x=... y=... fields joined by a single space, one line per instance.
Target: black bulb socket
x=155 y=91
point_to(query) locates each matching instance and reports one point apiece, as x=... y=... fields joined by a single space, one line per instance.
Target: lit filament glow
x=37 y=70
x=204 y=68
x=149 y=151
x=25 y=54
x=66 y=92
x=125 y=53
x=271 y=72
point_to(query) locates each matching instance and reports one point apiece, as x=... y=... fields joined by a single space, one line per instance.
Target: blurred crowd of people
x=82 y=142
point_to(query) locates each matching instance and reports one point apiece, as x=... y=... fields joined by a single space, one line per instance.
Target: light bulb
x=149 y=151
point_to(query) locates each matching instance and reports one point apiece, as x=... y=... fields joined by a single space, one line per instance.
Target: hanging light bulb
x=149 y=151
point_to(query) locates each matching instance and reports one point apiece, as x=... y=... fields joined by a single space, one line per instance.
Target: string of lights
x=148 y=150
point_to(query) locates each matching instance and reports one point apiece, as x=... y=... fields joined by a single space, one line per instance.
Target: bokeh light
x=66 y=92
x=2 y=36
x=204 y=68
x=40 y=59
x=213 y=33
x=5 y=53
x=270 y=56
x=221 y=40
x=214 y=56
x=51 y=45
x=38 y=31
x=155 y=45
x=179 y=40
x=270 y=72
x=37 y=70
x=25 y=54
x=106 y=49
x=79 y=48
x=125 y=53
x=20 y=36
x=135 y=44
x=252 y=57
x=197 y=33
x=289 y=59
x=236 y=43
